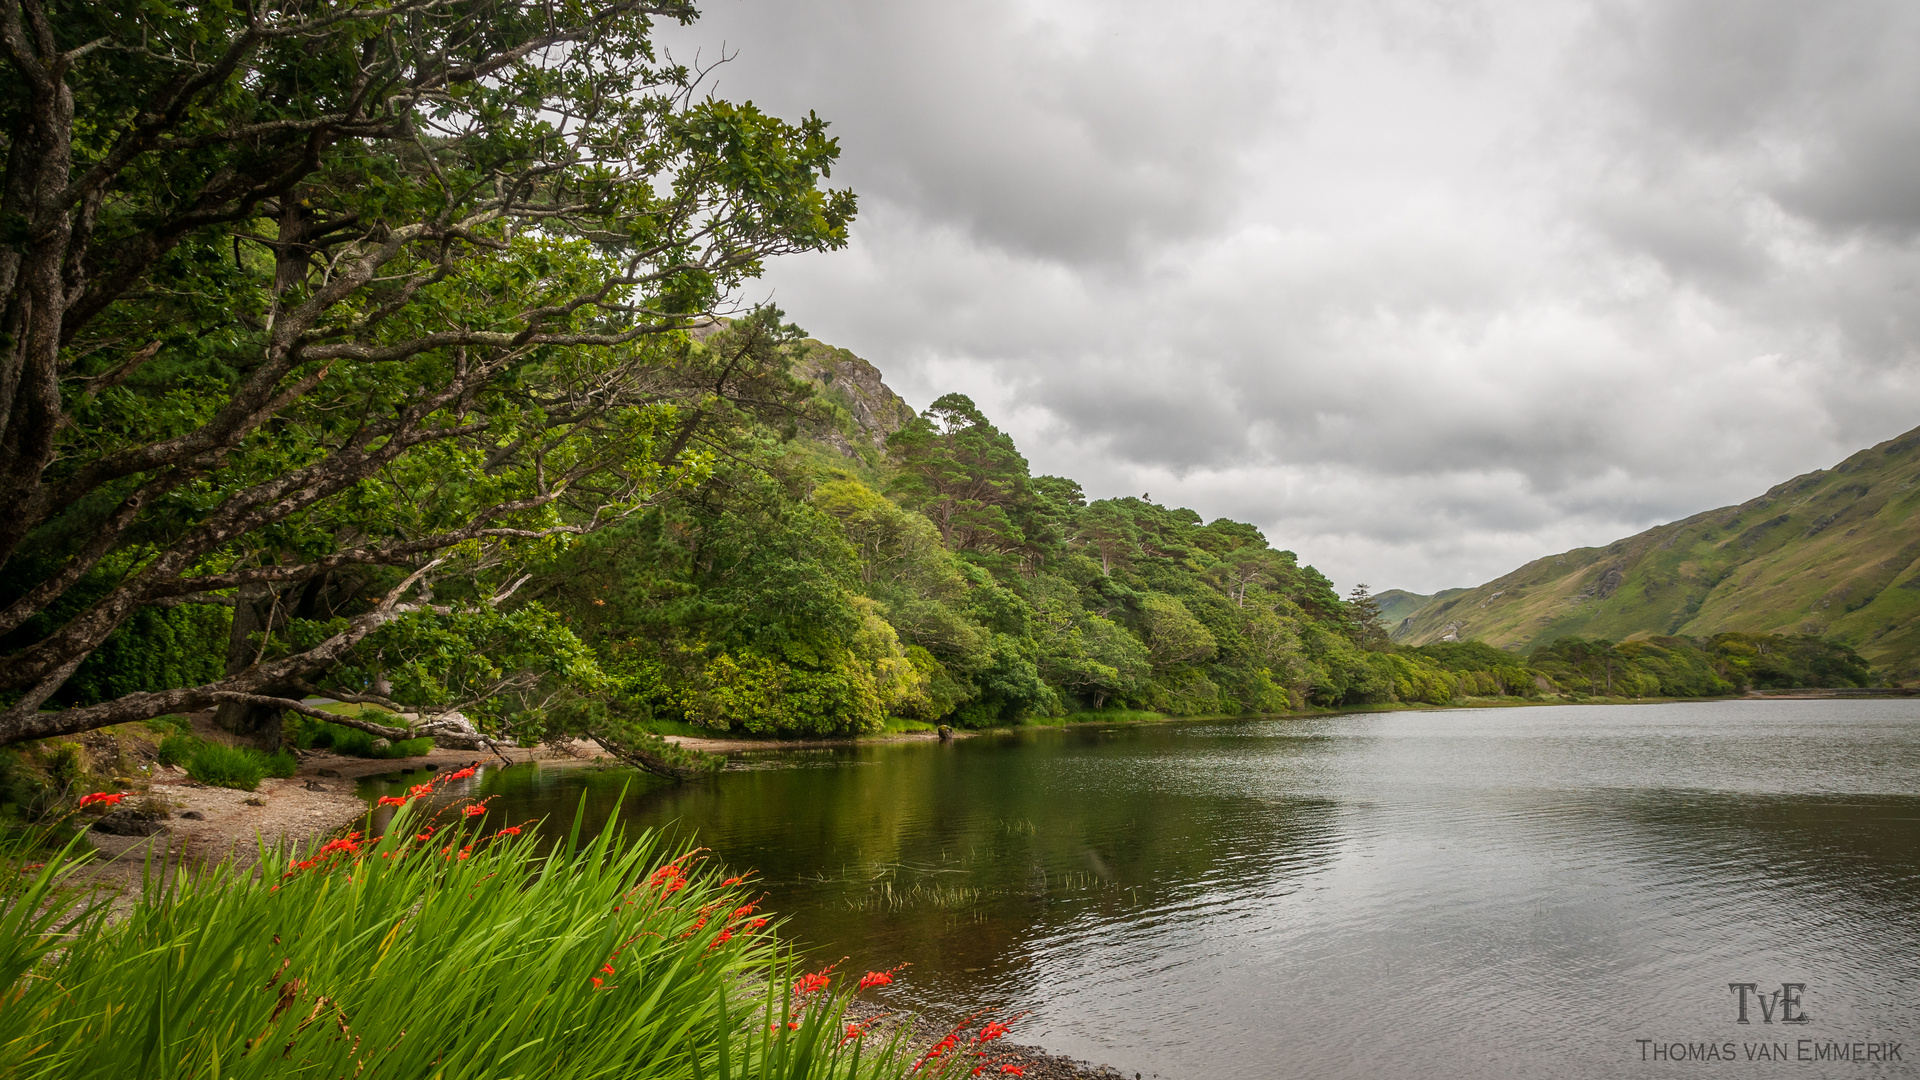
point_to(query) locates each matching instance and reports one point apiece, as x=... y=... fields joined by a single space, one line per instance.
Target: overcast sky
x=1424 y=290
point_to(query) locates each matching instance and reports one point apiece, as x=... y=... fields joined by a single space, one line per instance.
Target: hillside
x=1397 y=604
x=1835 y=553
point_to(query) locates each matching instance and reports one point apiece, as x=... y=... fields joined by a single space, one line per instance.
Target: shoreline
x=321 y=799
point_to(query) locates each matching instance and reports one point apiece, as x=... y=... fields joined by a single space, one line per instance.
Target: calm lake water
x=1494 y=893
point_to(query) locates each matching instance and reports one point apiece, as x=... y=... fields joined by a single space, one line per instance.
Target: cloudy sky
x=1423 y=289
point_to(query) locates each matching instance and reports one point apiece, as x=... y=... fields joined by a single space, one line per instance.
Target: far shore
x=737 y=743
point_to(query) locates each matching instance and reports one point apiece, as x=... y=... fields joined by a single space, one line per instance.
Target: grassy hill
x=1834 y=553
x=1397 y=604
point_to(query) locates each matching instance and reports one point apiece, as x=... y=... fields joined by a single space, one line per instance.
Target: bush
x=24 y=797
x=595 y=960
x=227 y=766
x=176 y=749
x=281 y=764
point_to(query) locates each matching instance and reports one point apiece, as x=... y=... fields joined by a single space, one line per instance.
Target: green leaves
x=459 y=949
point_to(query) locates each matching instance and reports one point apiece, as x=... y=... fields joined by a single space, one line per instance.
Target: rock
x=193 y=815
x=256 y=801
x=315 y=785
x=126 y=821
x=431 y=767
x=382 y=744
x=328 y=772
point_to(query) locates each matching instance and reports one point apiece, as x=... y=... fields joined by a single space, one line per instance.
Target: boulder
x=127 y=821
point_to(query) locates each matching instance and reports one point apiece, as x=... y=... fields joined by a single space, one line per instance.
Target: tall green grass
x=456 y=952
x=222 y=765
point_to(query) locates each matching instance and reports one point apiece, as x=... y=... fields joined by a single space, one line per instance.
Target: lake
x=1525 y=892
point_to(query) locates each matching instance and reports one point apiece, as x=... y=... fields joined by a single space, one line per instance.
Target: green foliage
x=177 y=748
x=64 y=763
x=310 y=733
x=1685 y=667
x=227 y=766
x=389 y=958
x=25 y=798
x=347 y=310
x=174 y=725
x=951 y=586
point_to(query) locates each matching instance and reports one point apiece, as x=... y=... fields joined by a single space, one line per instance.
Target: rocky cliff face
x=855 y=385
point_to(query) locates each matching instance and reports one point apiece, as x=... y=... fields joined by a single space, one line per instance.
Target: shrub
x=64 y=765
x=24 y=797
x=591 y=961
x=176 y=749
x=281 y=764
x=227 y=766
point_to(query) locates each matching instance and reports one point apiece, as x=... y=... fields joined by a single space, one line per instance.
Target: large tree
x=311 y=307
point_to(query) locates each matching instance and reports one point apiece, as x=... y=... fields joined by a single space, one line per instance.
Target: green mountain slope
x=1396 y=605
x=1834 y=553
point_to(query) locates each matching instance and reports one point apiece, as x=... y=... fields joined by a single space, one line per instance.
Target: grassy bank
x=447 y=948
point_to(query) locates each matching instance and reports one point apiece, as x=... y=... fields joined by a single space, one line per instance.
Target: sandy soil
x=205 y=824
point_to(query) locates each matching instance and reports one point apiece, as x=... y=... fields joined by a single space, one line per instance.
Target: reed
x=448 y=949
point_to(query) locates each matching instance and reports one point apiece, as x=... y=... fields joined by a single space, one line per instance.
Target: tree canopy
x=330 y=315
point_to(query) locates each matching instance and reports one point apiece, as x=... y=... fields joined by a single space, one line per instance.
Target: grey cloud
x=1424 y=290
x=1820 y=98
x=1006 y=125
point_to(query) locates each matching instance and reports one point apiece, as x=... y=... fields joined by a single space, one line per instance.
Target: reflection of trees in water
x=961 y=858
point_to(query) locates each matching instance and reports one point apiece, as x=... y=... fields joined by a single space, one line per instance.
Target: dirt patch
x=202 y=824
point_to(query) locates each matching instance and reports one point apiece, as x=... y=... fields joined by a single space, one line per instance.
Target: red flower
x=606 y=968
x=105 y=798
x=391 y=800
x=461 y=775
x=596 y=983
x=807 y=984
x=992 y=1031
x=418 y=790
x=875 y=978
x=474 y=811
x=793 y=1025
x=732 y=881
x=742 y=912
x=1013 y=1070
x=756 y=924
x=511 y=830
x=854 y=1031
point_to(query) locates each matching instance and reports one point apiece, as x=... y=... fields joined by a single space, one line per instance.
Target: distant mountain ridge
x=1834 y=553
x=1397 y=604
